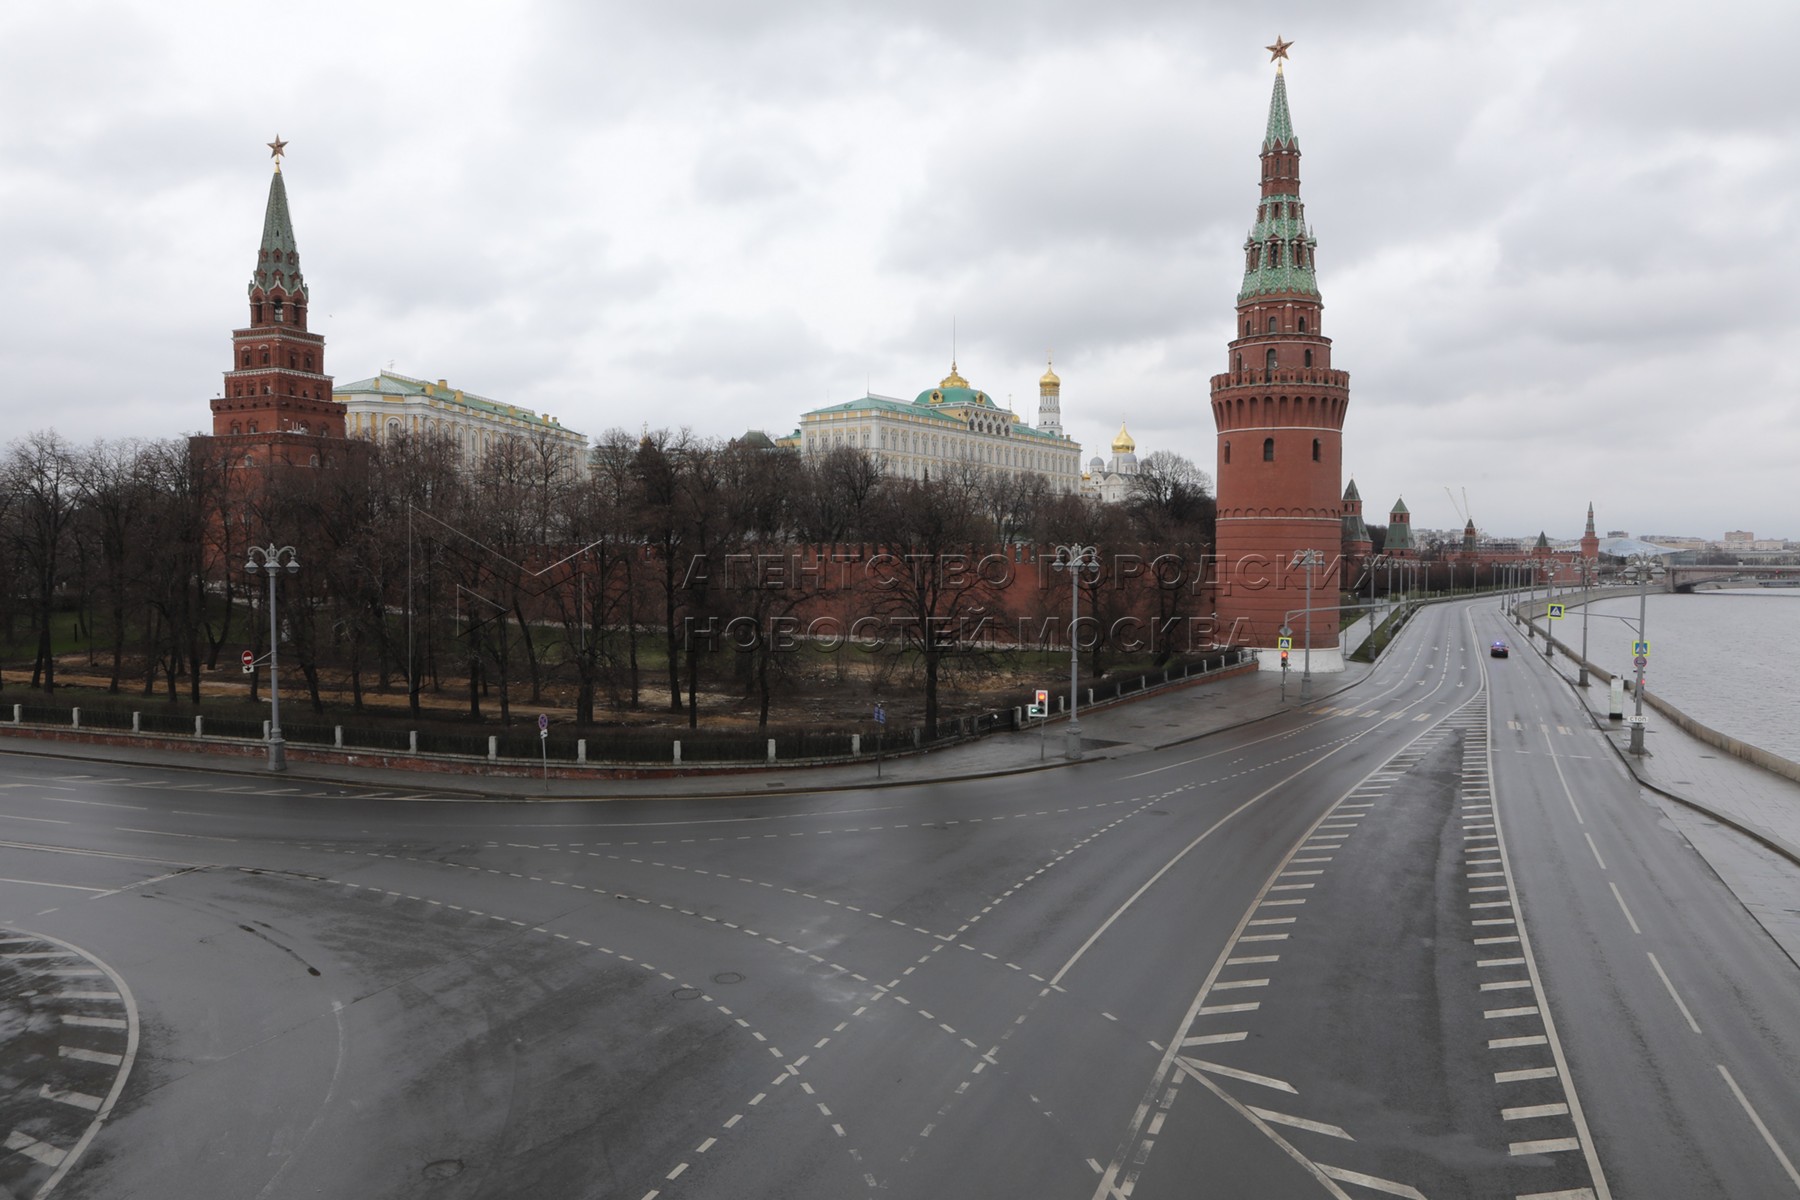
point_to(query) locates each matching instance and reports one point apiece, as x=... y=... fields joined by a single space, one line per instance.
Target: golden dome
x=953 y=379
x=1123 y=443
x=1049 y=378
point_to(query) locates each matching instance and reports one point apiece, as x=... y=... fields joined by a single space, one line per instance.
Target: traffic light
x=1284 y=665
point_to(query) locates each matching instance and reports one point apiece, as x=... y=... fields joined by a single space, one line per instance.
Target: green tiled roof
x=272 y=264
x=1400 y=509
x=947 y=415
x=388 y=385
x=1281 y=124
x=1350 y=493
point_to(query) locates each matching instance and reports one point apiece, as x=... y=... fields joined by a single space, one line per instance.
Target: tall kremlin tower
x=276 y=404
x=1279 y=410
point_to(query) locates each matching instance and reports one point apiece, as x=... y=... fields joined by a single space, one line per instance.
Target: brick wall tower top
x=276 y=384
x=1279 y=410
x=1590 y=540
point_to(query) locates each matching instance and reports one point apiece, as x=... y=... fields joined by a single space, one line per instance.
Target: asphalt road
x=1422 y=939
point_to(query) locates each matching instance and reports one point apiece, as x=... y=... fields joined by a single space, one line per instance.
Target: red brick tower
x=1590 y=540
x=1280 y=410
x=277 y=402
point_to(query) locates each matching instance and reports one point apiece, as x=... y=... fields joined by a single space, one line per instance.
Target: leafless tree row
x=423 y=574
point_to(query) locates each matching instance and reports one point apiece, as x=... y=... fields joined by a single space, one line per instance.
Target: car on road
x=1498 y=650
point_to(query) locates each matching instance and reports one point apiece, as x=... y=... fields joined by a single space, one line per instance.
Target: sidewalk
x=1163 y=717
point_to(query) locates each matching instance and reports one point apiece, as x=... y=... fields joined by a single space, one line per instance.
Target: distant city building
x=389 y=405
x=1738 y=539
x=952 y=424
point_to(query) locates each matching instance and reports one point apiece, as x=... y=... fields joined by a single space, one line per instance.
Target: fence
x=564 y=747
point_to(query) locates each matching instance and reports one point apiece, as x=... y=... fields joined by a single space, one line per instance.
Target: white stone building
x=391 y=404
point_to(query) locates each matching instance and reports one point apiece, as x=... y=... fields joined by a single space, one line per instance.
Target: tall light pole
x=1641 y=569
x=1308 y=559
x=1550 y=566
x=1587 y=602
x=270 y=561
x=1076 y=559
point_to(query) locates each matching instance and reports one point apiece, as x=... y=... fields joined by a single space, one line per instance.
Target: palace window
x=1315 y=449
x=1272 y=325
x=1302 y=324
x=265 y=361
x=1269 y=449
x=1269 y=359
x=1309 y=352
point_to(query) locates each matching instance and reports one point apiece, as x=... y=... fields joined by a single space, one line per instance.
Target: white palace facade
x=945 y=426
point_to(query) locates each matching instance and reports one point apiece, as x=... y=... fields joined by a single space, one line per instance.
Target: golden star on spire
x=276 y=149
x=1278 y=50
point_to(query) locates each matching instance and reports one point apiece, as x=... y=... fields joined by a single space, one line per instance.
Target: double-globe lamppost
x=1077 y=560
x=270 y=560
x=1587 y=602
x=1549 y=567
x=1307 y=559
x=1641 y=569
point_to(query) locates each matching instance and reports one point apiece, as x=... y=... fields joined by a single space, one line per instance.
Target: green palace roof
x=389 y=386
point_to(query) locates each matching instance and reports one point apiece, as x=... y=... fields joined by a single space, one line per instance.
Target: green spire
x=277 y=258
x=1400 y=509
x=1281 y=124
x=1350 y=492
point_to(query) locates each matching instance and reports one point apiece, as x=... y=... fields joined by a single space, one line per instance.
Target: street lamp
x=1077 y=560
x=1308 y=559
x=270 y=561
x=1641 y=569
x=1550 y=568
x=1587 y=602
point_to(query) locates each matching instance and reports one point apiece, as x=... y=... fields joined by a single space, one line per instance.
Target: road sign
x=1640 y=662
x=1641 y=649
x=880 y=714
x=1556 y=612
x=543 y=722
x=1284 y=643
x=1034 y=710
x=1286 y=630
x=249 y=661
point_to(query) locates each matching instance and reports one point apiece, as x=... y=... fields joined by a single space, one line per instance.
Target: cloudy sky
x=1557 y=240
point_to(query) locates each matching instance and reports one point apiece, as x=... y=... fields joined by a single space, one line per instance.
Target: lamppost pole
x=1642 y=568
x=1587 y=601
x=1549 y=595
x=1308 y=559
x=1075 y=559
x=270 y=560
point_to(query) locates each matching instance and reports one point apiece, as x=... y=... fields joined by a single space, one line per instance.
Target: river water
x=1728 y=659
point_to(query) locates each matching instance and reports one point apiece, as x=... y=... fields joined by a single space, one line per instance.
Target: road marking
x=1546 y=1146
x=1213 y=1010
x=1664 y=976
x=1509 y=1043
x=39 y=820
x=1277 y=1118
x=1534 y=1110
x=1571 y=1194
x=1527 y=1074
x=1212 y=1039
x=1529 y=1010
x=1786 y=1163
x=198 y=837
x=1595 y=849
x=30 y=1147
x=1194 y=1066
x=94 y=1022
x=1374 y=1184
x=1621 y=899
x=1226 y=985
x=93 y=1056
x=78 y=1099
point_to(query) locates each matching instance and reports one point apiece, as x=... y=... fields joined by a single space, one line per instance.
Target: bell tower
x=276 y=386
x=1279 y=410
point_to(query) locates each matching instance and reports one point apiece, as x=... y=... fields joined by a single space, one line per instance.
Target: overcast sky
x=1556 y=240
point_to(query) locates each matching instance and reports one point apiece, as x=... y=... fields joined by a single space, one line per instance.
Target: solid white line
x=1545 y=1146
x=1193 y=1065
x=1786 y=1163
x=1387 y=1186
x=1621 y=899
x=1528 y=1073
x=1664 y=976
x=1212 y=1039
x=1300 y=1123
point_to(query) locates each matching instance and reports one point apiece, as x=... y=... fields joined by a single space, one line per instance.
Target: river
x=1728 y=659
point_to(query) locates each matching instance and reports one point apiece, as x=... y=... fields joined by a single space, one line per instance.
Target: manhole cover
x=728 y=977
x=443 y=1168
x=686 y=993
